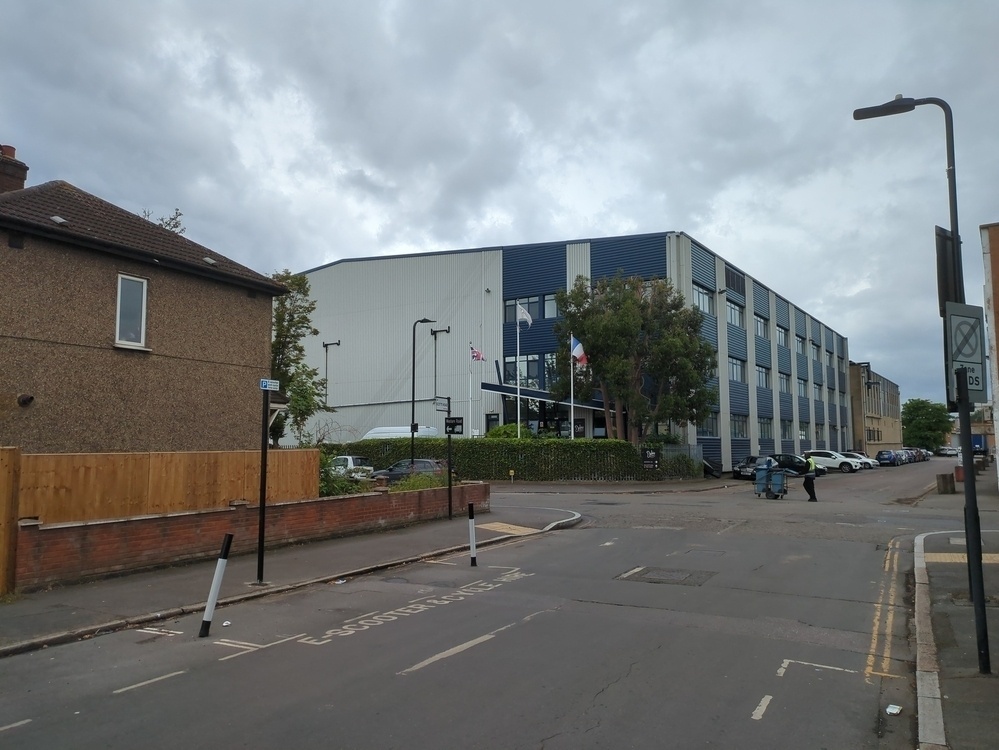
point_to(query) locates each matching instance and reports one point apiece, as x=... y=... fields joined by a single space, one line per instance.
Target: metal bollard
x=213 y=595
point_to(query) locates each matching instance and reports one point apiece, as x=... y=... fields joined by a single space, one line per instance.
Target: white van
x=378 y=433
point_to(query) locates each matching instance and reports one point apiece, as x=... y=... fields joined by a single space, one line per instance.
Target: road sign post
x=266 y=386
x=965 y=327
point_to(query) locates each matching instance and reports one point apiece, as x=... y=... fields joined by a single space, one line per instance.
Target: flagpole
x=572 y=393
x=518 y=372
x=469 y=393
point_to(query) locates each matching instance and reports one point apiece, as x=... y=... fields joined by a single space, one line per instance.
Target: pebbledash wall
x=50 y=554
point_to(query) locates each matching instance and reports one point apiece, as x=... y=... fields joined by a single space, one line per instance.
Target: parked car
x=351 y=466
x=916 y=453
x=794 y=463
x=865 y=462
x=745 y=469
x=834 y=460
x=947 y=450
x=402 y=469
x=889 y=458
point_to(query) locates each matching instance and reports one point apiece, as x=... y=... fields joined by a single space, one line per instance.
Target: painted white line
x=469 y=644
x=159 y=631
x=787 y=662
x=15 y=725
x=761 y=709
x=147 y=682
x=632 y=571
x=249 y=648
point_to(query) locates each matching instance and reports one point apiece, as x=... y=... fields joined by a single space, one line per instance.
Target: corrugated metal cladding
x=534 y=340
x=787 y=446
x=804 y=413
x=820 y=413
x=762 y=351
x=786 y=406
x=530 y=270
x=640 y=255
x=816 y=331
x=834 y=443
x=840 y=346
x=767 y=446
x=577 y=262
x=737 y=342
x=761 y=300
x=802 y=365
x=764 y=402
x=817 y=371
x=784 y=360
x=710 y=448
x=799 y=324
x=709 y=330
x=702 y=267
x=740 y=449
x=829 y=340
x=738 y=398
x=843 y=415
x=832 y=415
x=783 y=313
x=830 y=374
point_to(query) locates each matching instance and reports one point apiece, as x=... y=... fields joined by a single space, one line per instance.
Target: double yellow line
x=884 y=617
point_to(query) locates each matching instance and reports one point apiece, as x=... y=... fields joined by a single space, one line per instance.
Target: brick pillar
x=10 y=477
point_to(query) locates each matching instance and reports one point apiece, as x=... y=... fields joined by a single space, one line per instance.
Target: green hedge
x=532 y=460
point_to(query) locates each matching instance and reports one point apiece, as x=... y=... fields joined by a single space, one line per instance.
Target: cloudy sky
x=295 y=133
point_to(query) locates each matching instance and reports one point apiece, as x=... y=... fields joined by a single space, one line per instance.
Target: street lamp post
x=326 y=353
x=951 y=289
x=412 y=403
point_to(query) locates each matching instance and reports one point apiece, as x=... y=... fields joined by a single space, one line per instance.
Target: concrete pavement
x=957 y=704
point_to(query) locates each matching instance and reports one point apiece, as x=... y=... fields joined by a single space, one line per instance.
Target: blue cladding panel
x=534 y=340
x=761 y=300
x=818 y=410
x=740 y=448
x=767 y=446
x=784 y=360
x=710 y=448
x=817 y=371
x=802 y=365
x=762 y=351
x=764 y=402
x=783 y=313
x=709 y=330
x=737 y=341
x=799 y=324
x=738 y=397
x=832 y=414
x=834 y=442
x=804 y=415
x=829 y=340
x=533 y=270
x=787 y=446
x=640 y=255
x=702 y=267
x=786 y=406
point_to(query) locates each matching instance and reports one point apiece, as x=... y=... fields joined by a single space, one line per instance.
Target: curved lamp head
x=896 y=106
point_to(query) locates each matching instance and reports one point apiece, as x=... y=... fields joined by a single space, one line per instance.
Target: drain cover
x=675 y=576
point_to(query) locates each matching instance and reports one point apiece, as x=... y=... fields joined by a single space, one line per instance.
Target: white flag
x=522 y=314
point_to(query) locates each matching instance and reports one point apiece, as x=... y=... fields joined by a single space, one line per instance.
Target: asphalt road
x=674 y=619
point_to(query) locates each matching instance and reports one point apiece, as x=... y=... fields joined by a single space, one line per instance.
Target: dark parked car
x=745 y=469
x=794 y=463
x=888 y=458
x=402 y=469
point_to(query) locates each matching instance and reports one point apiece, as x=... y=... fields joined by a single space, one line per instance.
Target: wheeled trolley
x=771 y=482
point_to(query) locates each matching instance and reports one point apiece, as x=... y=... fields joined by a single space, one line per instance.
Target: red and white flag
x=576 y=350
x=477 y=356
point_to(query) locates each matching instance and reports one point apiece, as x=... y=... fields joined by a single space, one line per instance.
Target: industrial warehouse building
x=396 y=331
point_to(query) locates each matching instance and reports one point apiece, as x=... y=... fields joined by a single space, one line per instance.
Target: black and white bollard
x=213 y=595
x=471 y=532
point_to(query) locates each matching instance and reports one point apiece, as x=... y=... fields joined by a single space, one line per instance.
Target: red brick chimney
x=13 y=173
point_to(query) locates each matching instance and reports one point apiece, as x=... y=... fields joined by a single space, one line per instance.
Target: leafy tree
x=644 y=352
x=925 y=424
x=173 y=223
x=291 y=322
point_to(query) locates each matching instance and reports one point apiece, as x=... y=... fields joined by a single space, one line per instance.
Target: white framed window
x=799 y=345
x=740 y=425
x=551 y=306
x=762 y=326
x=785 y=383
x=762 y=376
x=529 y=369
x=786 y=429
x=804 y=430
x=782 y=337
x=802 y=388
x=130 y=315
x=736 y=314
x=736 y=370
x=766 y=427
x=817 y=391
x=816 y=354
x=704 y=300
x=709 y=427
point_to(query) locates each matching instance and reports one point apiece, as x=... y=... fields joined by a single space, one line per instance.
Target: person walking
x=809 y=482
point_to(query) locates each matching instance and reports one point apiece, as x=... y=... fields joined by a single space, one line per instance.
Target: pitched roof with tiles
x=94 y=224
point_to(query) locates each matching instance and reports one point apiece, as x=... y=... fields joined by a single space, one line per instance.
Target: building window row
x=537 y=307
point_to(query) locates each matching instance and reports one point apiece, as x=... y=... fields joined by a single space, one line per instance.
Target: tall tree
x=644 y=350
x=925 y=424
x=291 y=322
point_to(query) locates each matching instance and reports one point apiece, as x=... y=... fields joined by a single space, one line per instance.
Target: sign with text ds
x=966 y=347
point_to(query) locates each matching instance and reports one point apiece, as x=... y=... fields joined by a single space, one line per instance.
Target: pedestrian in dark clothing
x=809 y=482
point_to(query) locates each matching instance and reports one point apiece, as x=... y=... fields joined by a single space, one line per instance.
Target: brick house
x=118 y=335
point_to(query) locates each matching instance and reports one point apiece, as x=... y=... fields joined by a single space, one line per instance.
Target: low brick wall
x=66 y=553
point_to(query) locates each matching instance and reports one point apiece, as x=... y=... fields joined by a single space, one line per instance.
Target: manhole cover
x=676 y=576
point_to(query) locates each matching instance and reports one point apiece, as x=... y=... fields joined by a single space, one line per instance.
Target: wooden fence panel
x=77 y=487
